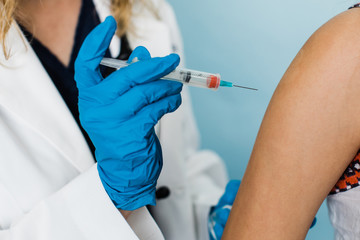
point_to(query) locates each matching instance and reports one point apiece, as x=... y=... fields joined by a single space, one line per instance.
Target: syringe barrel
x=185 y=76
x=194 y=78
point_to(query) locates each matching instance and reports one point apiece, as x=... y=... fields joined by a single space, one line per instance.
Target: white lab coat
x=49 y=184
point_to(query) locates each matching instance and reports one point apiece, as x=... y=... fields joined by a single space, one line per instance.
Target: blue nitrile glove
x=219 y=214
x=119 y=114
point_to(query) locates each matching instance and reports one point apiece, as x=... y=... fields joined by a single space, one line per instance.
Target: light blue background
x=251 y=43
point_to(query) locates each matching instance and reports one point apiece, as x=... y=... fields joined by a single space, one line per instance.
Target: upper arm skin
x=309 y=134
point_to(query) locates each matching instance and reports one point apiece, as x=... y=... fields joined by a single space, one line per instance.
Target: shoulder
x=338 y=39
x=332 y=53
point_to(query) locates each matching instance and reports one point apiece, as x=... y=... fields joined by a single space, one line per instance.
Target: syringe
x=185 y=76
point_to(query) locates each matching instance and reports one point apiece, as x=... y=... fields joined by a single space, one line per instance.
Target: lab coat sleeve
x=80 y=210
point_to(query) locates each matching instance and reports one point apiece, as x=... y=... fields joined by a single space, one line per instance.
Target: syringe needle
x=244 y=87
x=230 y=84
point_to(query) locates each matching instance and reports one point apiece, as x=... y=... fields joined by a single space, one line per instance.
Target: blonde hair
x=121 y=10
x=7 y=12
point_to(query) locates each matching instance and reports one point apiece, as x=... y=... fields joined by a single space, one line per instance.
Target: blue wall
x=251 y=43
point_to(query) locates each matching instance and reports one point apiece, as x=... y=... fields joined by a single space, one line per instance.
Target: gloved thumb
x=91 y=53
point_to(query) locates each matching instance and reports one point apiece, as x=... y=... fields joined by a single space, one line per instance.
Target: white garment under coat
x=344 y=212
x=49 y=184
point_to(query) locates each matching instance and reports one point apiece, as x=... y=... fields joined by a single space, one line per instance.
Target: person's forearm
x=309 y=135
x=125 y=213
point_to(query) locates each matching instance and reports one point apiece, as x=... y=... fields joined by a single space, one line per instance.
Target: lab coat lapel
x=27 y=92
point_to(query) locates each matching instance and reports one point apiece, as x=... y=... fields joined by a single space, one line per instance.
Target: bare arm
x=310 y=133
x=125 y=213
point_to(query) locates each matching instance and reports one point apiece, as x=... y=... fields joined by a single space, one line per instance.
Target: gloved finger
x=233 y=185
x=149 y=93
x=230 y=193
x=141 y=53
x=137 y=73
x=160 y=108
x=221 y=216
x=134 y=100
x=152 y=113
x=142 y=166
x=218 y=229
x=91 y=52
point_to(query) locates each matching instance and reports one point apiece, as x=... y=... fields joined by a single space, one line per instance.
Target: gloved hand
x=119 y=114
x=219 y=214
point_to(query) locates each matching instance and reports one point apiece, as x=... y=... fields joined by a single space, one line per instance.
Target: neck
x=53 y=23
x=32 y=10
